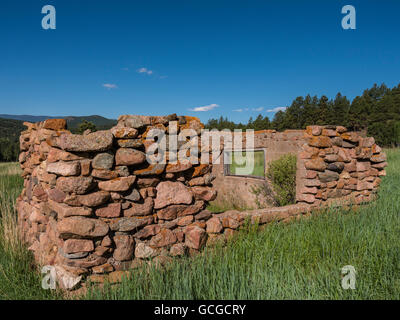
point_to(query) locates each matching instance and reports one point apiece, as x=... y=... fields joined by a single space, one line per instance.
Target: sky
x=201 y=58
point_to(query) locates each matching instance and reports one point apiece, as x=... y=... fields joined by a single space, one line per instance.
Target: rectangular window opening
x=235 y=168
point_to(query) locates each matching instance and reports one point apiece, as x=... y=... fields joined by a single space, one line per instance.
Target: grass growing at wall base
x=19 y=276
x=301 y=260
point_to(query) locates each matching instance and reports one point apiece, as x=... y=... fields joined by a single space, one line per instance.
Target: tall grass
x=19 y=277
x=301 y=260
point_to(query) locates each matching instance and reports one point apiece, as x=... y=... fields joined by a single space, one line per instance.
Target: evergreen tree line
x=376 y=112
x=9 y=150
x=11 y=129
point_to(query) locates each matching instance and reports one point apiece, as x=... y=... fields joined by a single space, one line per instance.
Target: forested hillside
x=376 y=111
x=9 y=137
x=10 y=130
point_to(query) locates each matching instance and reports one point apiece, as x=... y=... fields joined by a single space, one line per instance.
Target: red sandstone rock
x=312 y=183
x=228 y=222
x=94 y=199
x=378 y=158
x=366 y=142
x=310 y=174
x=306 y=190
x=184 y=221
x=379 y=166
x=78 y=245
x=64 y=168
x=199 y=181
x=148 y=231
x=85 y=167
x=204 y=193
x=128 y=157
x=320 y=142
x=178 y=167
x=314 y=130
x=81 y=227
x=78 y=185
x=64 y=210
x=177 y=249
x=308 y=198
x=112 y=210
x=124 y=132
x=103 y=161
x=363 y=166
x=331 y=158
x=200 y=170
x=57 y=154
x=129 y=223
x=172 y=193
x=329 y=133
x=195 y=237
x=147 y=182
x=96 y=141
x=152 y=169
x=214 y=225
x=143 y=251
x=39 y=193
x=376 y=149
x=350 y=136
x=55 y=124
x=315 y=164
x=125 y=245
x=140 y=209
x=104 y=174
x=118 y=184
x=164 y=238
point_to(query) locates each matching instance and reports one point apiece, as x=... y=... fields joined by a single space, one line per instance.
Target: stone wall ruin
x=92 y=204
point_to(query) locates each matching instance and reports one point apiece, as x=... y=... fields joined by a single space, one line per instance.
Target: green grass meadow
x=258 y=168
x=299 y=260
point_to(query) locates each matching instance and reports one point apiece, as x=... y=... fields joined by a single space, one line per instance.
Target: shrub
x=282 y=174
x=85 y=125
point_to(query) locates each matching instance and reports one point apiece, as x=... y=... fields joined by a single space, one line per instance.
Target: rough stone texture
x=103 y=161
x=93 y=142
x=64 y=168
x=94 y=199
x=78 y=245
x=92 y=204
x=112 y=210
x=81 y=227
x=78 y=185
x=169 y=192
x=195 y=237
x=118 y=184
x=129 y=157
x=125 y=245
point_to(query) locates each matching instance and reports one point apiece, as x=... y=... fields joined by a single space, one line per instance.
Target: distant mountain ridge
x=72 y=121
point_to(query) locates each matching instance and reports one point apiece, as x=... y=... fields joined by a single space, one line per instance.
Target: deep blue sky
x=235 y=54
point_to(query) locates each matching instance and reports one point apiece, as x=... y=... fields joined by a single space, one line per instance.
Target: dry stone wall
x=337 y=164
x=92 y=204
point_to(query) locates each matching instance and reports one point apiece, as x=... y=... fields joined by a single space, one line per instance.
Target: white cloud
x=205 y=108
x=110 y=86
x=277 y=109
x=145 y=70
x=258 y=109
x=241 y=110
